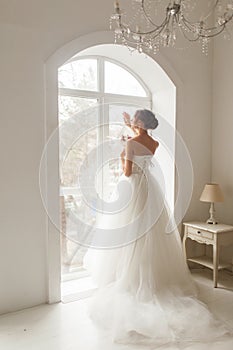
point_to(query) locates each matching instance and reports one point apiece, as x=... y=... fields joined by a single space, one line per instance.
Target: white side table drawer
x=200 y=233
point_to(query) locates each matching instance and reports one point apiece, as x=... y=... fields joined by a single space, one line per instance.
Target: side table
x=215 y=235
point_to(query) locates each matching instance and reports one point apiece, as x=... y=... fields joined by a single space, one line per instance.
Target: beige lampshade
x=212 y=193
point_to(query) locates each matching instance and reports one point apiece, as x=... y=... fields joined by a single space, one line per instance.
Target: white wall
x=222 y=131
x=222 y=126
x=30 y=32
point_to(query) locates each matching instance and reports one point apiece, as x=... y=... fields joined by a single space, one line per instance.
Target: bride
x=146 y=293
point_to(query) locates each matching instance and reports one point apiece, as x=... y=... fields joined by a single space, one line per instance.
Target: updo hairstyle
x=147 y=118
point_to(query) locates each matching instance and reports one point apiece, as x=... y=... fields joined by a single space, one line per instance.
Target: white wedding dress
x=146 y=293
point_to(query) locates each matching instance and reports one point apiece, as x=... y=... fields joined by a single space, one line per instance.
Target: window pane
x=86 y=111
x=71 y=199
x=80 y=74
x=76 y=155
x=120 y=81
x=70 y=106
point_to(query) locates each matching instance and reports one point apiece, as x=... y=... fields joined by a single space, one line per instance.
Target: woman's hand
x=127 y=121
x=126 y=117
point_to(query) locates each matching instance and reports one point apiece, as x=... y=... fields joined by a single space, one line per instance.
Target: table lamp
x=212 y=194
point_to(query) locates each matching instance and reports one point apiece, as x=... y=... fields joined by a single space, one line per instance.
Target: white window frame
x=100 y=94
x=105 y=99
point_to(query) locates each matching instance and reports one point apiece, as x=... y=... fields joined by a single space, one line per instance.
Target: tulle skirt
x=146 y=293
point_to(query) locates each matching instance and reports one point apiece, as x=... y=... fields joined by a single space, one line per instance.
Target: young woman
x=146 y=292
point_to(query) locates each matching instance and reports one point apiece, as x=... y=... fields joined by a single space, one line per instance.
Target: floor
x=76 y=289
x=65 y=326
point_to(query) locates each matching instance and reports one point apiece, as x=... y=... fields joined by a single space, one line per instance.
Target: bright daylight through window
x=90 y=87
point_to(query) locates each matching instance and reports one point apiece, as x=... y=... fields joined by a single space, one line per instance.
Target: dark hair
x=147 y=117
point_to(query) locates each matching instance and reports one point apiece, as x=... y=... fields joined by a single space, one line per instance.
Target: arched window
x=91 y=82
x=107 y=89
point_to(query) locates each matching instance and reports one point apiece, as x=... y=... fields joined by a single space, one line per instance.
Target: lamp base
x=212 y=219
x=211 y=222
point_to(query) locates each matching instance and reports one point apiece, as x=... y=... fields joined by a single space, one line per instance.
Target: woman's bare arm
x=123 y=159
x=128 y=159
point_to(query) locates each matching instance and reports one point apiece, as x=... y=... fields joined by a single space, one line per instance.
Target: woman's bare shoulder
x=132 y=140
x=136 y=137
x=156 y=143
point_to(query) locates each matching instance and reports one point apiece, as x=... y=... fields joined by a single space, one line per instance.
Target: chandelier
x=147 y=30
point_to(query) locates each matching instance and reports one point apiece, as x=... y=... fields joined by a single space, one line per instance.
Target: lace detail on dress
x=141 y=164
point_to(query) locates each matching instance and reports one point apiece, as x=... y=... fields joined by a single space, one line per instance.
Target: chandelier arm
x=209 y=28
x=191 y=26
x=191 y=32
x=158 y=33
x=189 y=39
x=148 y=17
x=152 y=35
x=211 y=10
x=159 y=29
x=204 y=35
x=132 y=41
x=186 y=36
x=214 y=34
x=206 y=17
x=124 y=27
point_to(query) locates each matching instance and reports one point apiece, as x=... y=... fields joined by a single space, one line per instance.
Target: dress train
x=146 y=292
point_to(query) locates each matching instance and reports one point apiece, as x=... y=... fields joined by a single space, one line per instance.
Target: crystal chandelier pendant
x=146 y=32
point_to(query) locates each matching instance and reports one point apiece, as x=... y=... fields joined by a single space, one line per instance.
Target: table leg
x=215 y=261
x=184 y=246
